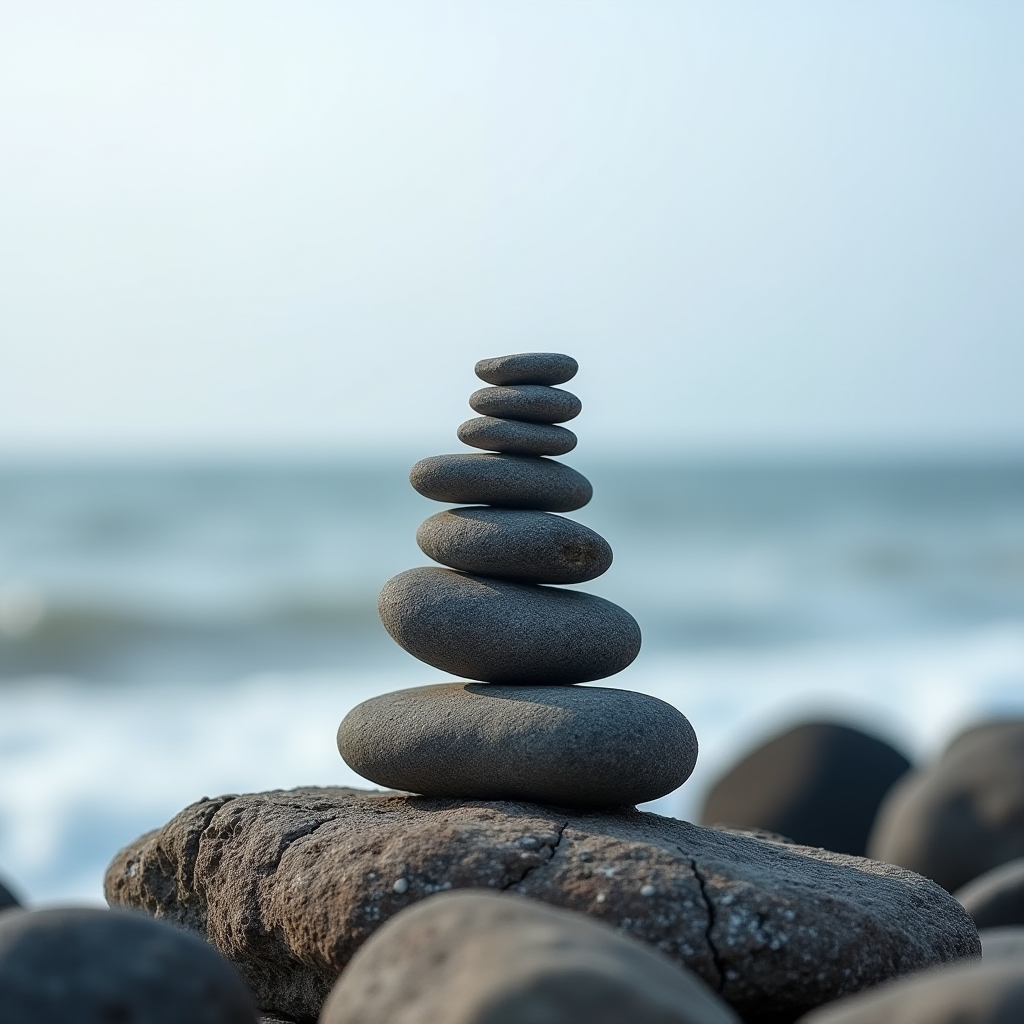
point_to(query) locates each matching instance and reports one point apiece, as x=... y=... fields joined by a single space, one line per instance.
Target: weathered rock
x=7 y=898
x=996 y=942
x=289 y=885
x=574 y=746
x=515 y=544
x=530 y=402
x=512 y=481
x=996 y=898
x=978 y=992
x=528 y=368
x=819 y=783
x=962 y=815
x=85 y=966
x=516 y=437
x=498 y=631
x=479 y=958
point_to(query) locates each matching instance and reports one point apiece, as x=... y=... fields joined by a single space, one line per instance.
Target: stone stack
x=498 y=614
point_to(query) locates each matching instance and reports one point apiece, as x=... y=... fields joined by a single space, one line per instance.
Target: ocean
x=172 y=631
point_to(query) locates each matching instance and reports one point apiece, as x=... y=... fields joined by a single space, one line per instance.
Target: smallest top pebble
x=528 y=368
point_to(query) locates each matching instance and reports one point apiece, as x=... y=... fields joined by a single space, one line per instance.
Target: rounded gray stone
x=570 y=746
x=528 y=368
x=84 y=966
x=498 y=631
x=517 y=437
x=531 y=402
x=473 y=957
x=511 y=481
x=515 y=544
x=996 y=898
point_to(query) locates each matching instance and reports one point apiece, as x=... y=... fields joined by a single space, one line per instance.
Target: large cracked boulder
x=289 y=884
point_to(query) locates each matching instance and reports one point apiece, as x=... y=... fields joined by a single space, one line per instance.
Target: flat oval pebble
x=517 y=437
x=511 y=481
x=528 y=368
x=572 y=746
x=498 y=631
x=531 y=402
x=515 y=544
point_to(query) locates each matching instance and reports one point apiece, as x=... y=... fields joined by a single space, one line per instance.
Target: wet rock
x=574 y=746
x=85 y=966
x=529 y=402
x=511 y=481
x=820 y=783
x=515 y=544
x=528 y=368
x=498 y=631
x=516 y=437
x=288 y=885
x=480 y=958
x=996 y=898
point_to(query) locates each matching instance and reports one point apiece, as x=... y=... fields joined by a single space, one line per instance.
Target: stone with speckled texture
x=527 y=368
x=516 y=437
x=529 y=402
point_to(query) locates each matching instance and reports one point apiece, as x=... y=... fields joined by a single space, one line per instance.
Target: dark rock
x=513 y=481
x=574 y=746
x=498 y=631
x=530 y=402
x=85 y=966
x=479 y=958
x=515 y=544
x=819 y=783
x=962 y=815
x=516 y=437
x=528 y=368
x=996 y=942
x=977 y=992
x=996 y=898
x=7 y=898
x=289 y=885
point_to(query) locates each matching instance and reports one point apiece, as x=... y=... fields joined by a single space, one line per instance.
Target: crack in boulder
x=550 y=847
x=712 y=917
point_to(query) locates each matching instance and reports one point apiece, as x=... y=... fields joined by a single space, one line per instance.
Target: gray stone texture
x=961 y=816
x=90 y=966
x=574 y=746
x=472 y=957
x=516 y=437
x=515 y=544
x=528 y=368
x=288 y=885
x=510 y=481
x=530 y=402
x=996 y=898
x=497 y=631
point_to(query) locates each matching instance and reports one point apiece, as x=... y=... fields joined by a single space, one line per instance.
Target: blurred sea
x=175 y=631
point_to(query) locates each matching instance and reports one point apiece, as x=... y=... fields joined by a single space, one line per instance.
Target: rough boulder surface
x=288 y=885
x=478 y=958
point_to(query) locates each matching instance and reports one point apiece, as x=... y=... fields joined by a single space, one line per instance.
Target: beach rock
x=288 y=885
x=996 y=898
x=528 y=368
x=512 y=481
x=996 y=942
x=498 y=631
x=479 y=958
x=977 y=992
x=86 y=966
x=574 y=746
x=961 y=816
x=7 y=898
x=515 y=544
x=516 y=437
x=530 y=402
x=820 y=783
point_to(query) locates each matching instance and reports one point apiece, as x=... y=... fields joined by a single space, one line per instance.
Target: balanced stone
x=517 y=437
x=996 y=898
x=528 y=368
x=498 y=631
x=515 y=544
x=531 y=402
x=572 y=746
x=512 y=481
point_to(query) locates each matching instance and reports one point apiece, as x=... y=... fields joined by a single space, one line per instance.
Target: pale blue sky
x=270 y=226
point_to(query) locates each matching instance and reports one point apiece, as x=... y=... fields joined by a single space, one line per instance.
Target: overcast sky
x=272 y=226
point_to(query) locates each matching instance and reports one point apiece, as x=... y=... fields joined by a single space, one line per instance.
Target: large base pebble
x=575 y=746
x=289 y=885
x=478 y=958
x=528 y=402
x=516 y=437
x=503 y=632
x=527 y=368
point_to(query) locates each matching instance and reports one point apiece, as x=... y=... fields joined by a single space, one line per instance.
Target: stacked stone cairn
x=498 y=613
